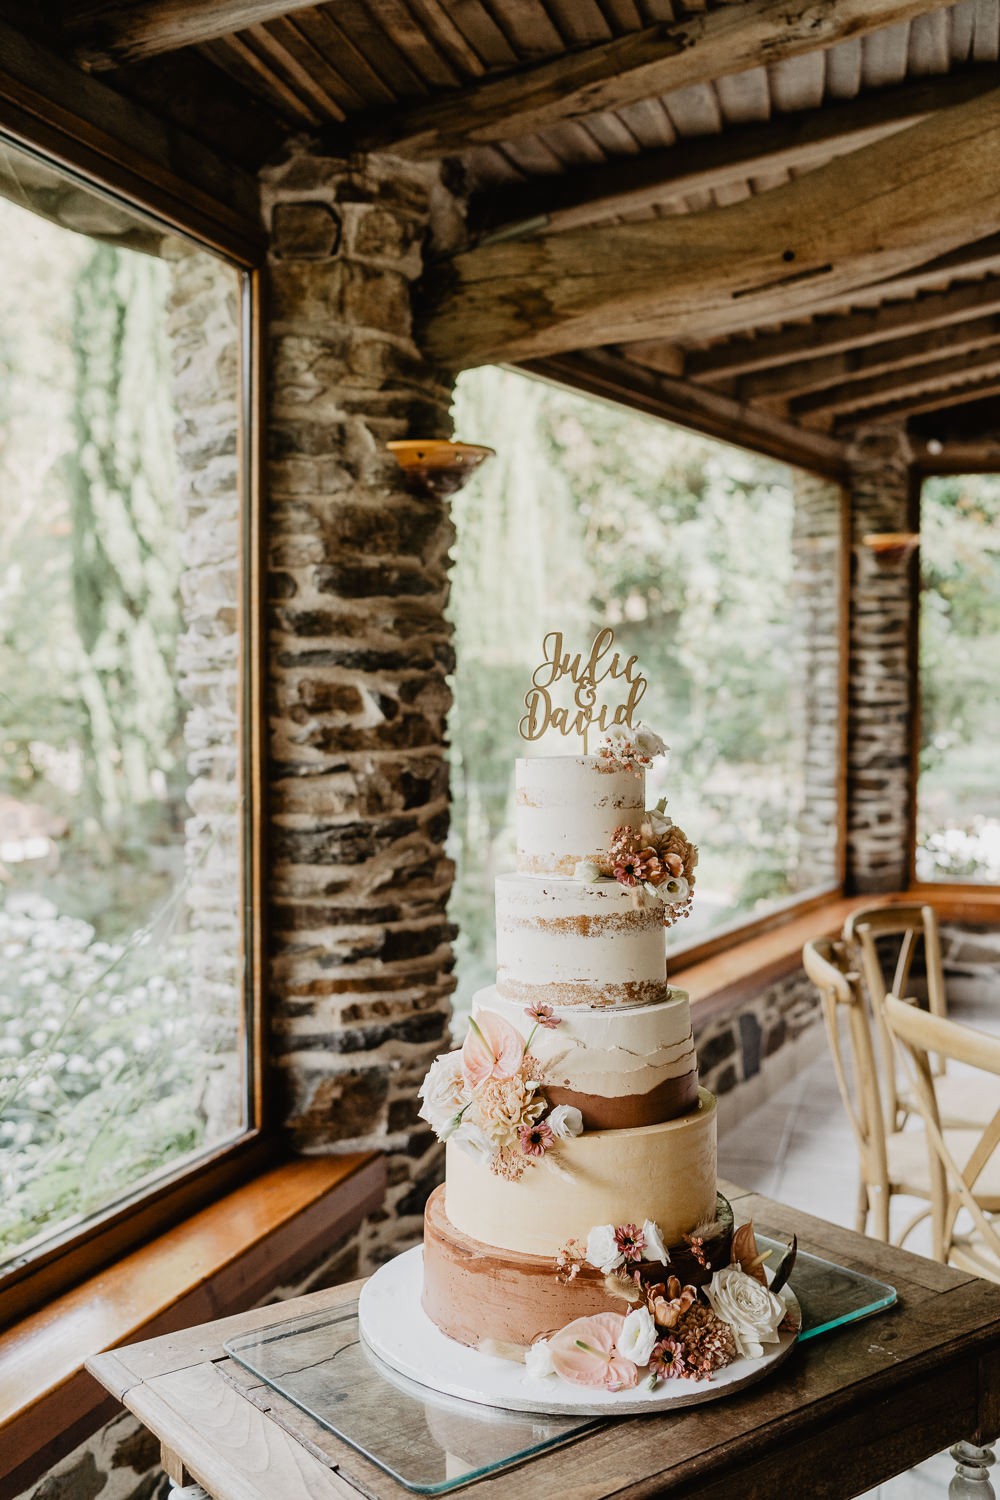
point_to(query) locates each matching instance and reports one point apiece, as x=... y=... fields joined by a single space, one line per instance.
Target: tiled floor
x=797 y=1146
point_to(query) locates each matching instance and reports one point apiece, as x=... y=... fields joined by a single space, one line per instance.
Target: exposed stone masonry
x=880 y=711
x=358 y=653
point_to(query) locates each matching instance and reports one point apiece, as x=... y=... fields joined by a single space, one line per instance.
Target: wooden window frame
x=931 y=466
x=603 y=384
x=68 y=133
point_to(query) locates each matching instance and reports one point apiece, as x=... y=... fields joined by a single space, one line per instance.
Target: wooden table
x=847 y=1411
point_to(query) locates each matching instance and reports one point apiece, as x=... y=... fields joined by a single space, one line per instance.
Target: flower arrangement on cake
x=671 y=1331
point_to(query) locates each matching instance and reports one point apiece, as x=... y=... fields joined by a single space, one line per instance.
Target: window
x=124 y=993
x=958 y=788
x=721 y=569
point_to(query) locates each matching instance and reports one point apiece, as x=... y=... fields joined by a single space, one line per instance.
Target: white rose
x=659 y=823
x=443 y=1092
x=752 y=1311
x=638 y=1335
x=618 y=735
x=674 y=890
x=565 y=1120
x=538 y=1360
x=602 y=1249
x=473 y=1141
x=653 y=1246
x=648 y=742
x=588 y=870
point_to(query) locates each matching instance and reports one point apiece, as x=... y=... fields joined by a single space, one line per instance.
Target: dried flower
x=669 y=1303
x=569 y=1260
x=543 y=1015
x=630 y=1242
x=707 y=1342
x=536 y=1139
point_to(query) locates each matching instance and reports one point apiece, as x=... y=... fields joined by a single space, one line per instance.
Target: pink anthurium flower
x=492 y=1049
x=584 y=1352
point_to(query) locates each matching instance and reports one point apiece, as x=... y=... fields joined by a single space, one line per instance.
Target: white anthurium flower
x=648 y=742
x=473 y=1140
x=589 y=871
x=602 y=1249
x=674 y=890
x=752 y=1310
x=638 y=1335
x=564 y=1121
x=653 y=1247
x=443 y=1093
x=538 y=1360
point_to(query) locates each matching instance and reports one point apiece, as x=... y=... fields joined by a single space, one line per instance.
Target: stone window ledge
x=718 y=985
x=224 y=1259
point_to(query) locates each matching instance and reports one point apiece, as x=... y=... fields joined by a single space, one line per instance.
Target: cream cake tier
x=567 y=942
x=567 y=808
x=661 y=1172
x=476 y=1293
x=617 y=1067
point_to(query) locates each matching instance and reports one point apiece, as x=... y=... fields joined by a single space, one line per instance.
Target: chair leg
x=862 y=1212
x=880 y=1211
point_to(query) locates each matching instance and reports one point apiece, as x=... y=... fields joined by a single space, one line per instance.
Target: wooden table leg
x=972 y=1476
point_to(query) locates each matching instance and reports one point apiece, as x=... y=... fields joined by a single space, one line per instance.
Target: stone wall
x=357 y=660
x=880 y=711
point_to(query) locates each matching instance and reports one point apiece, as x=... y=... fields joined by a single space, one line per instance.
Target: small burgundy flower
x=542 y=1015
x=630 y=1241
x=536 y=1139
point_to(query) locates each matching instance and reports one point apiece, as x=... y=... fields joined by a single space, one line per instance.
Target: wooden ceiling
x=783 y=218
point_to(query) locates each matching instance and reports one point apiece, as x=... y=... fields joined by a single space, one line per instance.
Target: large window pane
x=121 y=989
x=958 y=790
x=718 y=567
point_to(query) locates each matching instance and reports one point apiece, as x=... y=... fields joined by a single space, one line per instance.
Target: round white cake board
x=398 y=1331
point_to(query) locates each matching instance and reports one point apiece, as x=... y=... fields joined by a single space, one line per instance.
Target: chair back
x=919 y=1034
x=912 y=925
x=845 y=1016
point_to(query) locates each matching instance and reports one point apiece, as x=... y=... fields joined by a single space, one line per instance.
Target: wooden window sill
x=221 y=1260
x=719 y=983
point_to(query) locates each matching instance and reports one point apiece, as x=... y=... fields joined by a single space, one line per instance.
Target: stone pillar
x=203 y=326
x=358 y=656
x=817 y=604
x=880 y=707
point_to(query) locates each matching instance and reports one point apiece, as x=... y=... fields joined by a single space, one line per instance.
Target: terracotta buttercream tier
x=477 y=1293
x=619 y=1067
x=567 y=808
x=664 y=1172
x=567 y=942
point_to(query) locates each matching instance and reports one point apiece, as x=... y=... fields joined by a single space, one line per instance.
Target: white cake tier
x=568 y=807
x=566 y=942
x=661 y=1172
x=619 y=1067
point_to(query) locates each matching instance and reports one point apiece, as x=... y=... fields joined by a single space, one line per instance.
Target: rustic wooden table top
x=844 y=1413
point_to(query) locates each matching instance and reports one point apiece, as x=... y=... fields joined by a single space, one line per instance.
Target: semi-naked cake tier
x=661 y=1172
x=475 y=1292
x=568 y=806
x=617 y=1067
x=567 y=942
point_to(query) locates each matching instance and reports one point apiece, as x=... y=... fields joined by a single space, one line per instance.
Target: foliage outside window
x=122 y=991
x=592 y=514
x=958 y=788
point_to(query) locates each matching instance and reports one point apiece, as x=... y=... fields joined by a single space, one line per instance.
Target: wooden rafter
x=113 y=33
x=797 y=141
x=917 y=380
x=836 y=334
x=807 y=375
x=858 y=220
x=639 y=65
x=911 y=406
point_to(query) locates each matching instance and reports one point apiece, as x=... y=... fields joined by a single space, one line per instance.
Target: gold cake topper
x=586 y=675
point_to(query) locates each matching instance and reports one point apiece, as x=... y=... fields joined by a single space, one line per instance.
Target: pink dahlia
x=536 y=1139
x=630 y=1241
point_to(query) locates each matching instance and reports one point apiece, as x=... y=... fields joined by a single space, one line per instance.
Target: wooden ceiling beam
x=957 y=455
x=639 y=65
x=918 y=380
x=798 y=141
x=852 y=331
x=861 y=219
x=794 y=380
x=113 y=33
x=911 y=406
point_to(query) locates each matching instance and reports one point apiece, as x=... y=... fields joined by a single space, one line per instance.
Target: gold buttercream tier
x=664 y=1172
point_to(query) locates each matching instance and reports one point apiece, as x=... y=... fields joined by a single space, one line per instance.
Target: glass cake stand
x=431 y=1443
